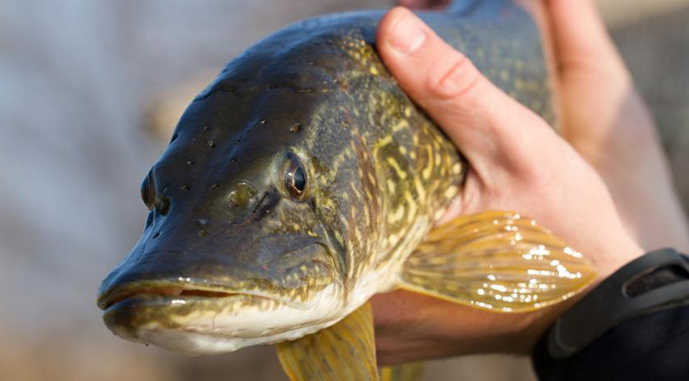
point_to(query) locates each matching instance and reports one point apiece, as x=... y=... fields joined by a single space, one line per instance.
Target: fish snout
x=271 y=270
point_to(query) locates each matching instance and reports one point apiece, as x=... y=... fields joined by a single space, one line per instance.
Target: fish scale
x=395 y=145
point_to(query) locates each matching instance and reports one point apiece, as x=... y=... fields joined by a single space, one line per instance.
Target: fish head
x=245 y=242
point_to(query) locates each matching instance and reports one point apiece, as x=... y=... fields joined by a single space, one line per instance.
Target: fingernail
x=408 y=34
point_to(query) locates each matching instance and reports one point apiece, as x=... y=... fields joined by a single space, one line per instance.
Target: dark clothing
x=652 y=346
x=648 y=347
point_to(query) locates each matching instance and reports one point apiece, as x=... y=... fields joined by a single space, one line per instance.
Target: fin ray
x=343 y=351
x=411 y=371
x=499 y=261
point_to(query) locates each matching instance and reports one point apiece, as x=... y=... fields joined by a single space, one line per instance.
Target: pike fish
x=303 y=180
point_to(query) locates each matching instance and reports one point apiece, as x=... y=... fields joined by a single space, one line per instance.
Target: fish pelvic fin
x=498 y=261
x=411 y=371
x=343 y=351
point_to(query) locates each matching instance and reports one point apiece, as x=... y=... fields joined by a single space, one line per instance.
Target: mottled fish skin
x=379 y=173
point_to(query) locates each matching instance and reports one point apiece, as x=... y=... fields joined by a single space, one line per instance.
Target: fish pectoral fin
x=343 y=351
x=500 y=261
x=410 y=371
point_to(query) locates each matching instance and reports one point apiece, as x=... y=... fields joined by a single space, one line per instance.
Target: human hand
x=603 y=117
x=605 y=120
x=552 y=184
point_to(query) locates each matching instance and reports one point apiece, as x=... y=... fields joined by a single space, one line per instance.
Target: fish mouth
x=196 y=319
x=180 y=317
x=165 y=294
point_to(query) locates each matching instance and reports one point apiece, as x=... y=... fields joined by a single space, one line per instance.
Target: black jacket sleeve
x=650 y=346
x=654 y=347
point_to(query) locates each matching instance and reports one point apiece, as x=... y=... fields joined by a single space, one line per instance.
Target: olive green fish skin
x=379 y=171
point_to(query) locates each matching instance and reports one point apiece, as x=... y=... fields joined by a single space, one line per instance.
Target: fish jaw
x=227 y=321
x=199 y=325
x=202 y=310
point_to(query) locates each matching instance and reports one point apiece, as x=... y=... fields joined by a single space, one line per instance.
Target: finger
x=484 y=123
x=581 y=39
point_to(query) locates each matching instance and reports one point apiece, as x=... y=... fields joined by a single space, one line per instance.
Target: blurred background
x=89 y=92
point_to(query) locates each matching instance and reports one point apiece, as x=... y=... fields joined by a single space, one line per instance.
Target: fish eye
x=148 y=191
x=295 y=177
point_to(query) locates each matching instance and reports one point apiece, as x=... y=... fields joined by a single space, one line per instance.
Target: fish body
x=300 y=182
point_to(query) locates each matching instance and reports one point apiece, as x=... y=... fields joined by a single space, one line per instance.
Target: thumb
x=487 y=126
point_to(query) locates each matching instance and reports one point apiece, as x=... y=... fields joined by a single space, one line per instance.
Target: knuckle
x=455 y=78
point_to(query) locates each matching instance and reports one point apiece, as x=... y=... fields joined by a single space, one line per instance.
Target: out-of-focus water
x=76 y=77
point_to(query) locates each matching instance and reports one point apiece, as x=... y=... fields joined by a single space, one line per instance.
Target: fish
x=303 y=180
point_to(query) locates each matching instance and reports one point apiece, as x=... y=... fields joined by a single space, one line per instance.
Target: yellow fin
x=404 y=372
x=344 y=351
x=499 y=261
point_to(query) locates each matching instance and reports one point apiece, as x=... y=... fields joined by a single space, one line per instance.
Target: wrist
x=623 y=251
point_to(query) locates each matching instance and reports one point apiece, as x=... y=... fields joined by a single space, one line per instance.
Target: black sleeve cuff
x=649 y=347
x=634 y=326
